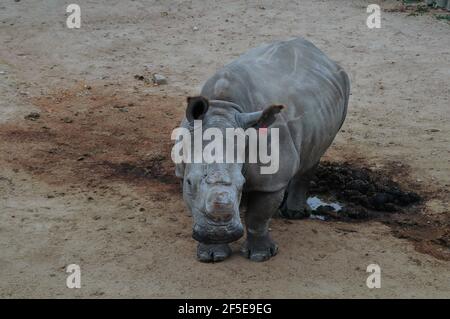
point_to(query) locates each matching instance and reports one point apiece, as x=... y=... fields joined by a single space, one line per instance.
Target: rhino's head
x=213 y=191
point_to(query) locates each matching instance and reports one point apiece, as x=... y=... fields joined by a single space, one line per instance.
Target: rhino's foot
x=259 y=248
x=295 y=214
x=213 y=253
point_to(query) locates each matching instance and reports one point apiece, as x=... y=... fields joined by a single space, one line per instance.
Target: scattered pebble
x=195 y=29
x=159 y=79
x=33 y=116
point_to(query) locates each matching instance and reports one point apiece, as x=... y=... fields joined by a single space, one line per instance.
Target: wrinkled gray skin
x=314 y=91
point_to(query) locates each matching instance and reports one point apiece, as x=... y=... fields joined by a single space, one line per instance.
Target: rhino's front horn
x=220 y=206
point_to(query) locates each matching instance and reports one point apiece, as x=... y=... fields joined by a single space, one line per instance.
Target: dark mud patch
x=92 y=136
x=366 y=194
x=157 y=168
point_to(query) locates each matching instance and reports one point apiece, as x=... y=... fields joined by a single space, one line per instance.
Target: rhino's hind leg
x=295 y=206
x=213 y=253
x=259 y=246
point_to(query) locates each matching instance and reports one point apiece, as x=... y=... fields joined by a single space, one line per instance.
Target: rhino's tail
x=346 y=92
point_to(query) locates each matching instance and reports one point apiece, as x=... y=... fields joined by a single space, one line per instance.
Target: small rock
x=159 y=79
x=195 y=29
x=97 y=293
x=67 y=120
x=33 y=116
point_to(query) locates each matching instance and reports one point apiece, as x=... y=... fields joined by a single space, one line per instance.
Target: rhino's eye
x=189 y=182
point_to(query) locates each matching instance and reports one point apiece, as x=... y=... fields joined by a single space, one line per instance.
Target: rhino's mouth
x=217 y=234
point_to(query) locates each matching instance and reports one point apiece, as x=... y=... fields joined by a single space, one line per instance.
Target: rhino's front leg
x=259 y=246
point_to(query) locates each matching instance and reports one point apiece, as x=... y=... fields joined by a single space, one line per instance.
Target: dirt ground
x=90 y=182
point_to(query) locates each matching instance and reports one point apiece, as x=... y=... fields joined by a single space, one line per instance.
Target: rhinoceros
x=290 y=85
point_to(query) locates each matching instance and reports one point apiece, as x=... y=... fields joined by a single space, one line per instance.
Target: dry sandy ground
x=89 y=182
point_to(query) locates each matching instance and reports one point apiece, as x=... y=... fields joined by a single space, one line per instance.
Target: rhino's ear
x=259 y=119
x=196 y=108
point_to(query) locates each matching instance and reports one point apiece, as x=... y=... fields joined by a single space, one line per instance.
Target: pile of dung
x=364 y=193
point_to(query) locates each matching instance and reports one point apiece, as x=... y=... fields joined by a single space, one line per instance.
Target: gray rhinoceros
x=250 y=92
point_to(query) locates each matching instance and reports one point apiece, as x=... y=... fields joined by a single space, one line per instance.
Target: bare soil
x=86 y=175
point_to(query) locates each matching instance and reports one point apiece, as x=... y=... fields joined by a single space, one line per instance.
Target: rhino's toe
x=259 y=249
x=295 y=214
x=212 y=253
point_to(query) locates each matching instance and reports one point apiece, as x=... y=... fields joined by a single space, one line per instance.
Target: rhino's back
x=297 y=74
